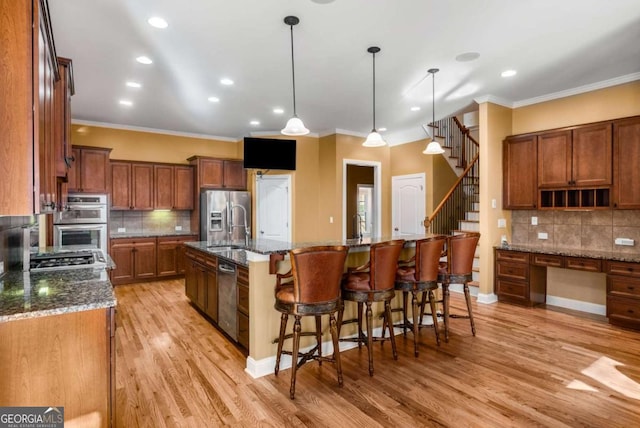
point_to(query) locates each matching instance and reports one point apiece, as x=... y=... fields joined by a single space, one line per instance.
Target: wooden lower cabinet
x=201 y=287
x=170 y=254
x=135 y=260
x=623 y=294
x=65 y=360
x=517 y=281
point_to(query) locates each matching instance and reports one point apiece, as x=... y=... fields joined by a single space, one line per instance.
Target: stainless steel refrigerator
x=225 y=215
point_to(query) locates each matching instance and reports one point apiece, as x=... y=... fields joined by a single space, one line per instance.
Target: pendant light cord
x=293 y=74
x=374 y=91
x=433 y=104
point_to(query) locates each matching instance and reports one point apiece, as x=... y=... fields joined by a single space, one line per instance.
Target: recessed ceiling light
x=144 y=60
x=508 y=73
x=382 y=129
x=467 y=56
x=415 y=108
x=278 y=110
x=156 y=21
x=213 y=99
x=226 y=81
x=126 y=103
x=255 y=122
x=134 y=84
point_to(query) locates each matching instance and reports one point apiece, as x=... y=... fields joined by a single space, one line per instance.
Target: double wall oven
x=83 y=222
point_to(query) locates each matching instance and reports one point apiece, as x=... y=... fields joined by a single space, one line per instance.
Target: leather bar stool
x=420 y=275
x=458 y=270
x=314 y=290
x=372 y=282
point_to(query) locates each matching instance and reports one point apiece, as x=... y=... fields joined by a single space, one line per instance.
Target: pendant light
x=374 y=139
x=434 y=147
x=294 y=126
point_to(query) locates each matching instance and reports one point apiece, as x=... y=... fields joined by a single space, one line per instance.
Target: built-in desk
x=521 y=277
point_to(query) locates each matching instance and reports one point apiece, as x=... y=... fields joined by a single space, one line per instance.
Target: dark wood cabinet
x=554 y=159
x=235 y=176
x=626 y=163
x=173 y=187
x=220 y=173
x=243 y=306
x=520 y=172
x=131 y=186
x=89 y=171
x=211 y=305
x=28 y=70
x=170 y=255
x=135 y=260
x=623 y=293
x=63 y=89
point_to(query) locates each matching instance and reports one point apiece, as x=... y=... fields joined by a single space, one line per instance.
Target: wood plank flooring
x=526 y=367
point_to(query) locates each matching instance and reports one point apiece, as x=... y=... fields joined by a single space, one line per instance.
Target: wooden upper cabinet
x=183 y=188
x=211 y=172
x=626 y=163
x=142 y=186
x=63 y=89
x=554 y=159
x=164 y=186
x=519 y=168
x=220 y=173
x=591 y=155
x=120 y=185
x=235 y=176
x=89 y=171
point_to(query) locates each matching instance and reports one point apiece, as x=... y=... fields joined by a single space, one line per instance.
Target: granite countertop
x=37 y=294
x=149 y=234
x=572 y=252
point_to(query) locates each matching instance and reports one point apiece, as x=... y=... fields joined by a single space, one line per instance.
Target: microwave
x=83 y=209
x=84 y=235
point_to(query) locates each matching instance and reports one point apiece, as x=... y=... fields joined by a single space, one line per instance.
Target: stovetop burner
x=66 y=260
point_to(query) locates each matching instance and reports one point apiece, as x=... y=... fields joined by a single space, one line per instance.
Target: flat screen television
x=269 y=153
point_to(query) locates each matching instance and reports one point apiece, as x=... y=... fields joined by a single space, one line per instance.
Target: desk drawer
x=547 y=260
x=623 y=286
x=508 y=270
x=624 y=268
x=623 y=311
x=512 y=256
x=579 y=263
x=512 y=290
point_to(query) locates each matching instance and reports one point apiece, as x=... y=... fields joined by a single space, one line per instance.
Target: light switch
x=178 y=228
x=625 y=241
x=534 y=221
x=543 y=235
x=122 y=229
x=502 y=223
x=494 y=204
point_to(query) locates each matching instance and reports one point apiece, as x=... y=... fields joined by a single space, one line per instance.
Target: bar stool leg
x=416 y=328
x=336 y=347
x=360 y=333
x=405 y=297
x=434 y=315
x=445 y=304
x=294 y=356
x=319 y=337
x=467 y=297
x=369 y=336
x=387 y=310
x=340 y=316
x=283 y=326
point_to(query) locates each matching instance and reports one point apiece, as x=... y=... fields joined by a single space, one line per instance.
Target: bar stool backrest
x=461 y=249
x=383 y=263
x=428 y=253
x=317 y=272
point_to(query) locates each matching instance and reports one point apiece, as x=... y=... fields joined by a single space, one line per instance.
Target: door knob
x=395 y=228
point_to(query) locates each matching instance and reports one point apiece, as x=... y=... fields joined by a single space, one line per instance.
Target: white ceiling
x=555 y=45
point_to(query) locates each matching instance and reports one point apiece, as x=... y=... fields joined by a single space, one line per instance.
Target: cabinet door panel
x=122 y=255
x=591 y=154
x=520 y=173
x=142 y=186
x=183 y=188
x=190 y=280
x=94 y=171
x=626 y=158
x=210 y=171
x=167 y=262
x=212 y=295
x=120 y=186
x=74 y=171
x=164 y=187
x=145 y=259
x=554 y=159
x=235 y=176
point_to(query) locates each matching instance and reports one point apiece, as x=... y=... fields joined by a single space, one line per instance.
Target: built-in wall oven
x=83 y=222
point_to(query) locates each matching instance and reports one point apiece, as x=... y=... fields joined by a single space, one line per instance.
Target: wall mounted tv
x=269 y=153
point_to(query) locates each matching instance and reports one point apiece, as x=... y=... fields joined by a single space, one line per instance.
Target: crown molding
x=493 y=100
x=153 y=130
x=279 y=134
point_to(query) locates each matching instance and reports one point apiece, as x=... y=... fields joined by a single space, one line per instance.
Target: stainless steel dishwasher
x=227 y=299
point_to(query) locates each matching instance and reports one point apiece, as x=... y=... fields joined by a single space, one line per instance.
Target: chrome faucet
x=247 y=231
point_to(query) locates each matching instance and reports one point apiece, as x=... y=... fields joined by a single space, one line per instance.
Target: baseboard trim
x=487 y=299
x=578 y=305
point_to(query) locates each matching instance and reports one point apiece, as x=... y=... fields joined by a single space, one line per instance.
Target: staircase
x=459 y=210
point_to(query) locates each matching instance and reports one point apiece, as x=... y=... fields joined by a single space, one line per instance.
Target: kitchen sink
x=216 y=248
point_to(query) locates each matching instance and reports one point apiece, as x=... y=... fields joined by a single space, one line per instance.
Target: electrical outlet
x=534 y=221
x=1 y=268
x=543 y=235
x=494 y=204
x=178 y=228
x=625 y=241
x=122 y=229
x=502 y=223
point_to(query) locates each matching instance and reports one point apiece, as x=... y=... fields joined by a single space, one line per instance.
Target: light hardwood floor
x=526 y=367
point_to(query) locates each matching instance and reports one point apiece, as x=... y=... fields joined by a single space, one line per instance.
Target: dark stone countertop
x=572 y=252
x=37 y=294
x=115 y=235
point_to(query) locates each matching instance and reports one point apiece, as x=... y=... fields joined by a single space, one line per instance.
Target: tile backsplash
x=151 y=222
x=585 y=230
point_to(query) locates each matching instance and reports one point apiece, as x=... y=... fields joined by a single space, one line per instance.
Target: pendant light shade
x=374 y=139
x=434 y=147
x=294 y=126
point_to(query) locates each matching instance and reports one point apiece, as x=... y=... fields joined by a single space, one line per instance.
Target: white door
x=408 y=204
x=273 y=202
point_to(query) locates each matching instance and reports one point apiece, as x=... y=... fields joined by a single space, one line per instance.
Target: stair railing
x=465 y=191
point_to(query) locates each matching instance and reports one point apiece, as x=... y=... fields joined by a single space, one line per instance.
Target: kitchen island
x=57 y=344
x=264 y=258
